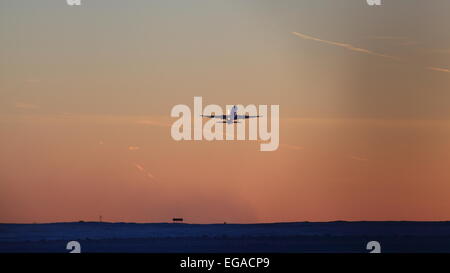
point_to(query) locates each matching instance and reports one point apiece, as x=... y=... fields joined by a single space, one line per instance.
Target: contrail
x=144 y=171
x=346 y=46
x=362 y=50
x=438 y=69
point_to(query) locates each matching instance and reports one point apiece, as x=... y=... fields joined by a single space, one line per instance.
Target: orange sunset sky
x=86 y=94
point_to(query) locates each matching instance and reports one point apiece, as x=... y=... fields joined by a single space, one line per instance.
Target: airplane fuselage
x=232 y=116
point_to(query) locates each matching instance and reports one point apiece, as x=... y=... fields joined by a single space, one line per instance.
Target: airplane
x=233 y=117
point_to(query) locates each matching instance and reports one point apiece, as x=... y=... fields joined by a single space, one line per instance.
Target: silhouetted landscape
x=298 y=237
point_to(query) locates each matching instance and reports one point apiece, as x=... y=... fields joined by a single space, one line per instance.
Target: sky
x=86 y=94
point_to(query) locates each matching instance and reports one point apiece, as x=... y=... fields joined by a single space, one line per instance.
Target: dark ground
x=181 y=238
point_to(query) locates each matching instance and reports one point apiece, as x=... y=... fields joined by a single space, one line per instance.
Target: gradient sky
x=86 y=94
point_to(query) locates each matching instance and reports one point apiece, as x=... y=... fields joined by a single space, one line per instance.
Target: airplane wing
x=246 y=116
x=214 y=116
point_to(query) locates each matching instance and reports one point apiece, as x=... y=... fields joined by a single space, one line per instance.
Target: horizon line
x=234 y=223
